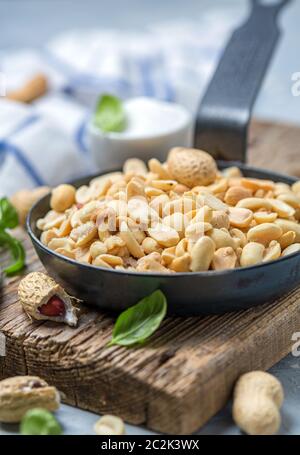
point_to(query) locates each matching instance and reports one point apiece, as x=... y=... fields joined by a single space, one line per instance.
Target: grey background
x=32 y=22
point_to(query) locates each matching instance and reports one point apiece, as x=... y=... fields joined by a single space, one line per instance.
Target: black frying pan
x=187 y=293
x=221 y=128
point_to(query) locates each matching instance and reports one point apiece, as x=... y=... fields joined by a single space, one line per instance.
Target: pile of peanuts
x=180 y=216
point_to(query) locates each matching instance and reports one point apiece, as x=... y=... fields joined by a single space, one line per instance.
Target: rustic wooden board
x=275 y=146
x=177 y=381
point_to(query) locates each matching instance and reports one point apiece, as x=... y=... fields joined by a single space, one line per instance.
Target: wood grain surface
x=180 y=378
x=275 y=147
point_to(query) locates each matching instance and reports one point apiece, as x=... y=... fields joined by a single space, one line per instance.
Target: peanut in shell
x=19 y=394
x=36 y=290
x=191 y=167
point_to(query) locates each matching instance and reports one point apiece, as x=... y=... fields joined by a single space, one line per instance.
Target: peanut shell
x=21 y=393
x=191 y=167
x=36 y=289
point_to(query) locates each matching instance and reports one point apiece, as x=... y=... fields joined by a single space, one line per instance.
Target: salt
x=149 y=117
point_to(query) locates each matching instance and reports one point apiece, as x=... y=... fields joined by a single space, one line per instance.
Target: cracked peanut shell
x=37 y=290
x=21 y=393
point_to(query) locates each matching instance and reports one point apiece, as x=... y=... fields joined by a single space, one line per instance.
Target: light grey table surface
x=28 y=22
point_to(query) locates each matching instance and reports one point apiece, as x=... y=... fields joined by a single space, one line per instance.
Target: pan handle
x=224 y=112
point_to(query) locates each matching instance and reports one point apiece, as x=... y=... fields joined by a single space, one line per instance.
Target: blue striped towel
x=44 y=143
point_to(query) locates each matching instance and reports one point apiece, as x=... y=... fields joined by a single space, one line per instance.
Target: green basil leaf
x=109 y=115
x=17 y=252
x=39 y=421
x=8 y=214
x=138 y=322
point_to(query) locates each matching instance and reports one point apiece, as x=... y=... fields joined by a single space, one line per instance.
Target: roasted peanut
x=182 y=205
x=151 y=263
x=84 y=233
x=164 y=235
x=97 y=248
x=287 y=225
x=133 y=246
x=240 y=217
x=272 y=252
x=196 y=230
x=23 y=200
x=164 y=185
x=150 y=192
x=205 y=214
x=239 y=236
x=252 y=254
x=254 y=203
x=47 y=236
x=150 y=245
x=181 y=264
x=218 y=187
x=296 y=187
x=53 y=219
x=109 y=425
x=114 y=244
x=157 y=168
x=135 y=188
x=281 y=188
x=222 y=239
x=290 y=198
x=224 y=258
x=83 y=255
x=110 y=259
x=168 y=255
x=181 y=247
x=63 y=242
x=212 y=202
x=134 y=166
x=256 y=184
x=202 y=254
x=264 y=217
x=264 y=233
x=287 y=239
x=29 y=91
x=295 y=247
x=176 y=221
x=235 y=193
x=281 y=208
x=62 y=197
x=220 y=219
x=232 y=171
x=101 y=263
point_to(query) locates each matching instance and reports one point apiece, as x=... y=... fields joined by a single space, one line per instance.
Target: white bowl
x=153 y=127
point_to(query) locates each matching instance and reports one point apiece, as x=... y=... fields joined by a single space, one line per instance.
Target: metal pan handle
x=224 y=112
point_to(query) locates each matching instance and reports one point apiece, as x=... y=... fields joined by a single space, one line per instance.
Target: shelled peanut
x=180 y=216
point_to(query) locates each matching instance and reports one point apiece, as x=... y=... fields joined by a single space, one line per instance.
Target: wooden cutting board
x=186 y=373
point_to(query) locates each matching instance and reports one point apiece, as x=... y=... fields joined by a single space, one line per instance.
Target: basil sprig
x=9 y=220
x=140 y=321
x=39 y=421
x=8 y=215
x=109 y=115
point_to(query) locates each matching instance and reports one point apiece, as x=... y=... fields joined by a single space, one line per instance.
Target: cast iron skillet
x=221 y=129
x=187 y=293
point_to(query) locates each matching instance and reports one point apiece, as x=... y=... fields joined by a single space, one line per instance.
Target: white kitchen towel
x=44 y=143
